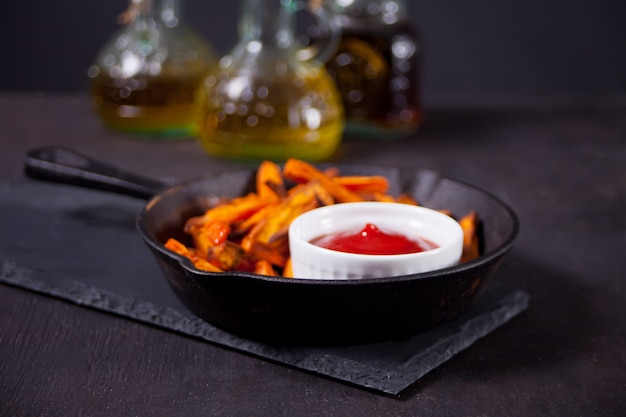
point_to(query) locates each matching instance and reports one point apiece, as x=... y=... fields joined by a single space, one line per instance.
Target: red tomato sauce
x=372 y=241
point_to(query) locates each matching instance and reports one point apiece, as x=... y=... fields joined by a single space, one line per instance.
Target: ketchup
x=372 y=241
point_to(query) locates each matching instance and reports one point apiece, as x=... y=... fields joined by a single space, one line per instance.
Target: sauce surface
x=372 y=241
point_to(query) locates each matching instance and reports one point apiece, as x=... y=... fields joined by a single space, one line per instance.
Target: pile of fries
x=250 y=233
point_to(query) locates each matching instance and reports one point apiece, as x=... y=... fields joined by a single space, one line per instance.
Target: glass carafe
x=145 y=77
x=376 y=67
x=263 y=100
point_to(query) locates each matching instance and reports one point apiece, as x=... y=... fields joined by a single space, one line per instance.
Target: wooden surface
x=559 y=164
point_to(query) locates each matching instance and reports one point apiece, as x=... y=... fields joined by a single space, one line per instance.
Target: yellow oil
x=161 y=107
x=254 y=118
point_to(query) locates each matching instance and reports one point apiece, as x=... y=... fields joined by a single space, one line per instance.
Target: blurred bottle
x=145 y=77
x=269 y=98
x=376 y=68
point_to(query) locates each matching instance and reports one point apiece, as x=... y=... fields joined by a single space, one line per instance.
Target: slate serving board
x=81 y=246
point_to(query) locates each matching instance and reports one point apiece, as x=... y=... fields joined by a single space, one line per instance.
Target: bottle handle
x=323 y=49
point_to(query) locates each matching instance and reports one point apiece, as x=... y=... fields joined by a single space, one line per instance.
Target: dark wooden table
x=559 y=163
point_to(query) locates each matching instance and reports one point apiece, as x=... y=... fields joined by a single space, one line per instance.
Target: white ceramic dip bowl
x=413 y=222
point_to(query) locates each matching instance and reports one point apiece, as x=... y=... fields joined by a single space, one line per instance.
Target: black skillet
x=275 y=309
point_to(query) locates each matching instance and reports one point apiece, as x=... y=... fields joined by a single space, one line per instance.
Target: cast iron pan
x=294 y=311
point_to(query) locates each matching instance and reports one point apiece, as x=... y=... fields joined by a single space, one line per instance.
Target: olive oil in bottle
x=145 y=78
x=162 y=106
x=282 y=117
x=262 y=101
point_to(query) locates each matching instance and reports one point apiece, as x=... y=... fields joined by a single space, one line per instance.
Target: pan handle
x=66 y=166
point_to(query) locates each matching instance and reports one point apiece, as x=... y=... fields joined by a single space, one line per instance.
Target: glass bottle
x=145 y=77
x=376 y=68
x=263 y=101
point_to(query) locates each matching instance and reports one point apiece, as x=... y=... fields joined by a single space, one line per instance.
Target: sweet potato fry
x=226 y=256
x=332 y=172
x=300 y=171
x=280 y=243
x=229 y=212
x=374 y=184
x=288 y=269
x=205 y=265
x=210 y=234
x=469 y=224
x=258 y=250
x=406 y=199
x=322 y=194
x=177 y=247
x=267 y=240
x=269 y=181
x=280 y=217
x=386 y=198
x=243 y=227
x=324 y=197
x=263 y=267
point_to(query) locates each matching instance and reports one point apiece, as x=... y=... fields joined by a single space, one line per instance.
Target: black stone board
x=81 y=246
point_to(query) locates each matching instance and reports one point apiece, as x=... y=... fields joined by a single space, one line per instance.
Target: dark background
x=551 y=47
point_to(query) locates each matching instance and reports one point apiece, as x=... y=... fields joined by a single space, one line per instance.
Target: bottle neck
x=268 y=22
x=389 y=11
x=166 y=12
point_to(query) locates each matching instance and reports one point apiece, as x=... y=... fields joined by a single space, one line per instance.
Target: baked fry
x=263 y=267
x=177 y=247
x=243 y=227
x=469 y=224
x=258 y=250
x=210 y=234
x=269 y=181
x=406 y=199
x=375 y=184
x=260 y=241
x=385 y=198
x=205 y=265
x=280 y=217
x=324 y=197
x=226 y=255
x=332 y=172
x=300 y=171
x=288 y=269
x=230 y=211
